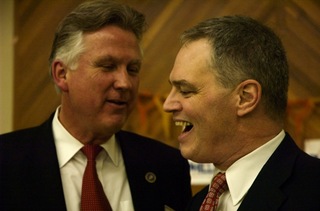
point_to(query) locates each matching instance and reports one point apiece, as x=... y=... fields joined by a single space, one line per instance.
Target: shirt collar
x=113 y=149
x=67 y=146
x=241 y=175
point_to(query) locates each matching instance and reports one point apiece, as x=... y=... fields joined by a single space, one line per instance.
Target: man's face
x=102 y=90
x=199 y=104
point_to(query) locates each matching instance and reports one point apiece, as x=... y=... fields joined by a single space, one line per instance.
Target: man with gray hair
x=80 y=159
x=229 y=93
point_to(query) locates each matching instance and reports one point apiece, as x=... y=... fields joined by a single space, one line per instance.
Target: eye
x=133 y=70
x=186 y=93
x=108 y=67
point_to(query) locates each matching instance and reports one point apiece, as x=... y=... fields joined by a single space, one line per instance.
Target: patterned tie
x=218 y=186
x=93 y=197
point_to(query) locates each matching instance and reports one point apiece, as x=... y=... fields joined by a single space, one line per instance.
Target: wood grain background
x=297 y=22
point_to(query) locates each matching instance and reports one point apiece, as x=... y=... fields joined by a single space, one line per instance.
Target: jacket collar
x=265 y=193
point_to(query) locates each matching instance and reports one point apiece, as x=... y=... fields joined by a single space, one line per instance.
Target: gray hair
x=91 y=16
x=243 y=48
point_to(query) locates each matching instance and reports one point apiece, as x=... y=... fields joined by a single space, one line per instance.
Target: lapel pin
x=150 y=177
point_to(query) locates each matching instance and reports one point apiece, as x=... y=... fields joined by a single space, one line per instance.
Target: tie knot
x=219 y=183
x=91 y=151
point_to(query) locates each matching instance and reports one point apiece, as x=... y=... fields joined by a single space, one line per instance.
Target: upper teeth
x=183 y=124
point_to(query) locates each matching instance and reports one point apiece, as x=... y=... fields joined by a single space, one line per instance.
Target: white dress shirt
x=241 y=174
x=110 y=169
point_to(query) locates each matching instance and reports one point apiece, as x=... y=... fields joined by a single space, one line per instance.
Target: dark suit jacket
x=290 y=180
x=30 y=176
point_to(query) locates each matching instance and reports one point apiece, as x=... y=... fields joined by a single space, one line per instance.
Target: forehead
x=193 y=60
x=112 y=38
x=111 y=31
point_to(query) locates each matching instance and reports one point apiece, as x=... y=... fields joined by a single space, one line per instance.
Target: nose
x=171 y=104
x=123 y=80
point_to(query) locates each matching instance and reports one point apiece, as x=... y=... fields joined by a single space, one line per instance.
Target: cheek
x=135 y=83
x=135 y=88
x=222 y=122
x=212 y=117
x=79 y=79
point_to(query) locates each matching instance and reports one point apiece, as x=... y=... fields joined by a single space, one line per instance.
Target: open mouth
x=186 y=126
x=117 y=102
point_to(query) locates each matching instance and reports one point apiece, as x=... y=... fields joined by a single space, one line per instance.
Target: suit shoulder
x=27 y=134
x=18 y=134
x=306 y=161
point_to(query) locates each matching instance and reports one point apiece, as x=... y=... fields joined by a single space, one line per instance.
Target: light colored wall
x=6 y=65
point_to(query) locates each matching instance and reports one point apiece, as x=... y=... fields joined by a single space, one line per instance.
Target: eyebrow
x=182 y=83
x=108 y=58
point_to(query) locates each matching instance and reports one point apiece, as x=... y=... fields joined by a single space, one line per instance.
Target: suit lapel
x=197 y=199
x=140 y=174
x=265 y=193
x=46 y=177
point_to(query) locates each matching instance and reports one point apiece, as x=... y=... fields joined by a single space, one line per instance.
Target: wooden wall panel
x=297 y=22
x=35 y=23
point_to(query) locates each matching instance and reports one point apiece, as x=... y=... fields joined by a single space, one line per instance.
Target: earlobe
x=59 y=75
x=249 y=92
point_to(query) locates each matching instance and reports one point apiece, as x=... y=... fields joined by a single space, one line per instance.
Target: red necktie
x=93 y=197
x=218 y=186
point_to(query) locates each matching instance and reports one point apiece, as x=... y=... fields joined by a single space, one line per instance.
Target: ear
x=59 y=75
x=249 y=92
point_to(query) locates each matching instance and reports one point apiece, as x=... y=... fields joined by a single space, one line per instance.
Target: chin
x=186 y=154
x=190 y=154
x=112 y=126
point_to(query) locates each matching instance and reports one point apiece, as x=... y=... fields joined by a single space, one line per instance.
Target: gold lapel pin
x=150 y=177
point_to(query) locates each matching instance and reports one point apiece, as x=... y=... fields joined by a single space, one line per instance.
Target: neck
x=82 y=133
